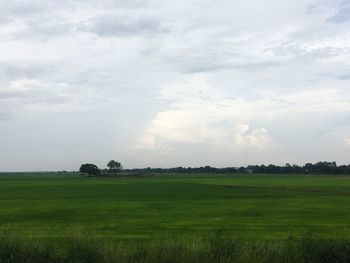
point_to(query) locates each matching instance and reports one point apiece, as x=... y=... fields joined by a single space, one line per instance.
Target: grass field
x=248 y=207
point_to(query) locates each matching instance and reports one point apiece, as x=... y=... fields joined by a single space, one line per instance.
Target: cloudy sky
x=173 y=83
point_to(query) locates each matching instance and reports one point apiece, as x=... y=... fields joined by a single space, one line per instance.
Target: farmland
x=247 y=207
x=49 y=217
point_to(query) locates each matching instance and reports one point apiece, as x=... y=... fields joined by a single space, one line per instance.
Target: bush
x=80 y=247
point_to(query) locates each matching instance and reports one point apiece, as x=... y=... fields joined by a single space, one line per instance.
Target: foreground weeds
x=86 y=249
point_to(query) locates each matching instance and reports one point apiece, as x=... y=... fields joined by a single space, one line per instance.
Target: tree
x=114 y=167
x=90 y=169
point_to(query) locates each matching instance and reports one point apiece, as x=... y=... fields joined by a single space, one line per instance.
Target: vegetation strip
x=86 y=249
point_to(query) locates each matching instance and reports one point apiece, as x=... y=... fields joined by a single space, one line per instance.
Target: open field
x=248 y=207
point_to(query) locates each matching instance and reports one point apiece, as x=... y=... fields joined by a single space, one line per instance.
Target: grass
x=179 y=218
x=246 y=207
x=87 y=249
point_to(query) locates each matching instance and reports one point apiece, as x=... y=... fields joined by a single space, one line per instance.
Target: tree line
x=309 y=168
x=114 y=168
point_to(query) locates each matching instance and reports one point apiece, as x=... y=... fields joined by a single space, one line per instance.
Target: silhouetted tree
x=309 y=168
x=90 y=169
x=114 y=167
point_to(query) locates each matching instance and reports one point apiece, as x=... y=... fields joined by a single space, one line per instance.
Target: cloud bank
x=164 y=83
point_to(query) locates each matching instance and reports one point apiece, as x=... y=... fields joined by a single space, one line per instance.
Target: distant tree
x=241 y=169
x=90 y=169
x=114 y=167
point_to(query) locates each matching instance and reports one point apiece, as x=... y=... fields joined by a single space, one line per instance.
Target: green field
x=249 y=207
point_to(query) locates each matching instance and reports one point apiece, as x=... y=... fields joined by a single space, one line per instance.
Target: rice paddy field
x=206 y=218
x=246 y=207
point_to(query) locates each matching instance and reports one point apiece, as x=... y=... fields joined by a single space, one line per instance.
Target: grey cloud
x=28 y=9
x=122 y=64
x=344 y=76
x=130 y=4
x=124 y=26
x=4 y=116
x=205 y=66
x=12 y=70
x=48 y=19
x=10 y=95
x=31 y=96
x=197 y=62
x=297 y=51
x=44 y=31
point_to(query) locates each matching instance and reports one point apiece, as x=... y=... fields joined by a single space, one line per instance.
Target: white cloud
x=199 y=115
x=256 y=139
x=224 y=82
x=195 y=116
x=347 y=140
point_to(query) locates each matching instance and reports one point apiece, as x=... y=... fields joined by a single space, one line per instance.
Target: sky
x=166 y=83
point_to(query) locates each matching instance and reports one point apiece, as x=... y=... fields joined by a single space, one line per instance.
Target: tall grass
x=84 y=248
